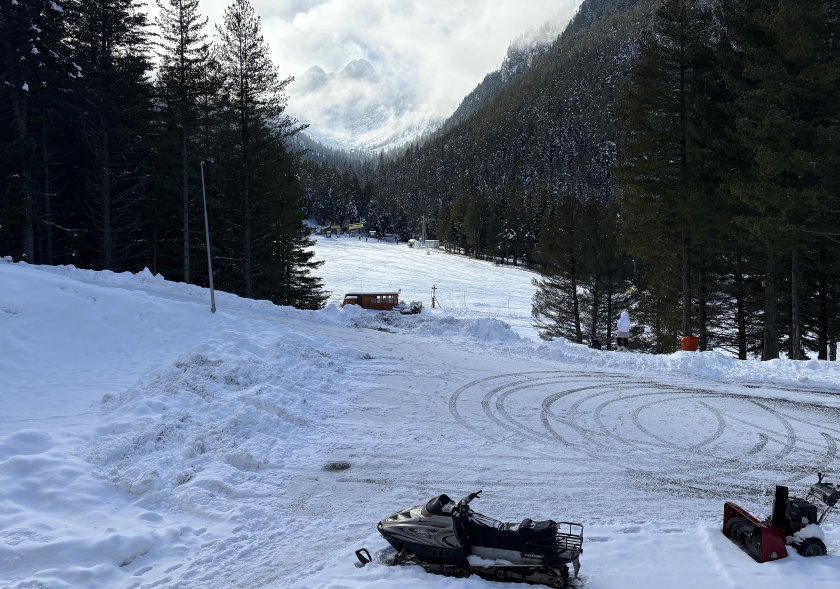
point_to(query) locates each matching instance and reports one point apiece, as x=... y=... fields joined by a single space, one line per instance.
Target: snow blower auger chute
x=793 y=522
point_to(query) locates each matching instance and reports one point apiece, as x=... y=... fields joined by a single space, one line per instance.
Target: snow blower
x=793 y=522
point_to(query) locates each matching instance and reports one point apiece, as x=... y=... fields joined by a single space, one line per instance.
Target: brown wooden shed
x=380 y=301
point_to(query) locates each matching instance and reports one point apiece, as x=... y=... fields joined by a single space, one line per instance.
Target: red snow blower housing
x=794 y=522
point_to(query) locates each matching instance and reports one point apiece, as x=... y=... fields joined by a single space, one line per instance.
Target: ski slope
x=147 y=443
x=465 y=288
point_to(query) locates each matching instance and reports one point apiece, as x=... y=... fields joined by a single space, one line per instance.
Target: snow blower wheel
x=811 y=547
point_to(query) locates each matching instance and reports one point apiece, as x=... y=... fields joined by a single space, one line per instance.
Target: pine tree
x=556 y=307
x=184 y=51
x=664 y=150
x=263 y=208
x=785 y=86
x=289 y=257
x=251 y=100
x=110 y=39
x=36 y=75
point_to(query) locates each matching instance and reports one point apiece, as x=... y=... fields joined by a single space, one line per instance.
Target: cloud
x=437 y=51
x=443 y=48
x=357 y=108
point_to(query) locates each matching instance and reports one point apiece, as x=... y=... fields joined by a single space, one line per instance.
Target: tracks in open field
x=690 y=440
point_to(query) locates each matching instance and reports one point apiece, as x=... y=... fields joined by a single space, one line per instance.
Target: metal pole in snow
x=208 y=161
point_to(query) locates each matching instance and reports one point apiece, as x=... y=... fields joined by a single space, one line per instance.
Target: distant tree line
x=100 y=152
x=677 y=158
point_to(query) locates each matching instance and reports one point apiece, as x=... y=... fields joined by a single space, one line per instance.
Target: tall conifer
x=664 y=150
x=183 y=52
x=110 y=38
x=788 y=121
x=263 y=196
x=36 y=75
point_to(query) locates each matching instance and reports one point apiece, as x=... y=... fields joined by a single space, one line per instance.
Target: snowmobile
x=411 y=308
x=450 y=538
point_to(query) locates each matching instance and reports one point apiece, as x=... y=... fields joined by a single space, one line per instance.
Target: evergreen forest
x=110 y=138
x=677 y=158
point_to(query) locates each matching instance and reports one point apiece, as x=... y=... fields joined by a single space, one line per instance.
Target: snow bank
x=711 y=365
x=715 y=365
x=481 y=330
x=426 y=324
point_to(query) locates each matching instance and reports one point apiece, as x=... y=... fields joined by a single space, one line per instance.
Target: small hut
x=379 y=301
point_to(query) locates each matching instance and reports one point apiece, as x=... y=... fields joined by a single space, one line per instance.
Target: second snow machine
x=793 y=522
x=450 y=538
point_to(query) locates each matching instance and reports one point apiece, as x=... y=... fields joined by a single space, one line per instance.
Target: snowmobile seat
x=441 y=505
x=509 y=536
x=530 y=530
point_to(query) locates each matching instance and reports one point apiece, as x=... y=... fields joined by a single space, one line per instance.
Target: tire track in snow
x=701 y=465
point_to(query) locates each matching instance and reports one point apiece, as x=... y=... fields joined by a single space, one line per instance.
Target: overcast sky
x=445 y=47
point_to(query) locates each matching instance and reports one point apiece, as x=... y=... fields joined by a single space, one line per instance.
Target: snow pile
x=141 y=434
x=712 y=365
x=478 y=561
x=481 y=330
x=809 y=531
x=428 y=325
x=201 y=426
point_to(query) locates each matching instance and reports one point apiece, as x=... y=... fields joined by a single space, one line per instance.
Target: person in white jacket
x=623 y=329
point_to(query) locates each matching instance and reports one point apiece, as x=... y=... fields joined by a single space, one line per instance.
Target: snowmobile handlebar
x=466 y=500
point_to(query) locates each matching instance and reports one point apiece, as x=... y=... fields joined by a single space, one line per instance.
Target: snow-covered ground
x=465 y=288
x=147 y=443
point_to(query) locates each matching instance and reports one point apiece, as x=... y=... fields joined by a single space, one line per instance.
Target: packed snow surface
x=147 y=443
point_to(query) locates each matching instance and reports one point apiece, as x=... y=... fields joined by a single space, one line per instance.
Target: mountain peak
x=356 y=108
x=312 y=79
x=358 y=69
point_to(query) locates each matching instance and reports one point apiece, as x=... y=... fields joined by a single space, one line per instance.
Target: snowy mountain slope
x=464 y=288
x=147 y=443
x=520 y=57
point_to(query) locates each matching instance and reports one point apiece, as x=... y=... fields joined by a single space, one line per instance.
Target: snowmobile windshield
x=441 y=505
